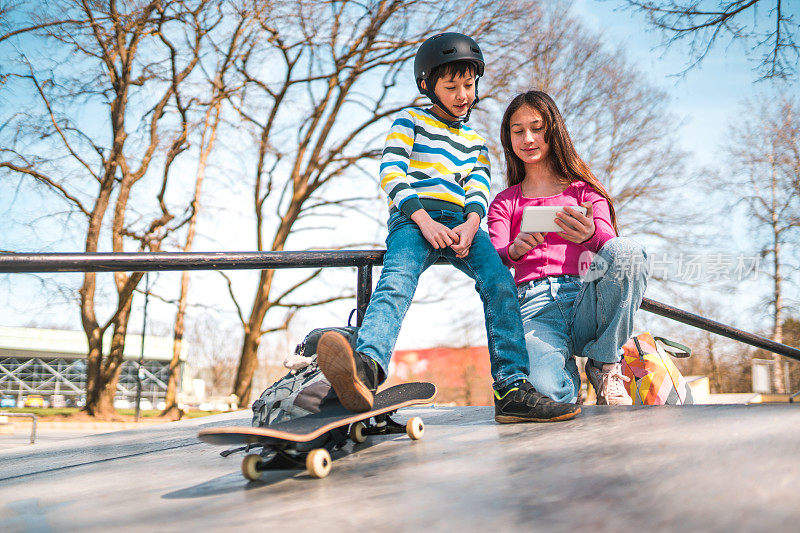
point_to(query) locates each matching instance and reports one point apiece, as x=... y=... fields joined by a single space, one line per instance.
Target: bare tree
x=128 y=61
x=321 y=81
x=762 y=173
x=768 y=27
x=219 y=90
x=619 y=122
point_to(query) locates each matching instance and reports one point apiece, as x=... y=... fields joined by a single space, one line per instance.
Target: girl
x=579 y=288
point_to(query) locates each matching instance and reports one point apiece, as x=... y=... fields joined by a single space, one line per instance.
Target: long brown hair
x=563 y=157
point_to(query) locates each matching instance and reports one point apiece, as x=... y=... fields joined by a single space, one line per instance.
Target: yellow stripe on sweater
x=405 y=139
x=425 y=165
x=439 y=124
x=389 y=177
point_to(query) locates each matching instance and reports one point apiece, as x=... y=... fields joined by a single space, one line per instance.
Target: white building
x=53 y=362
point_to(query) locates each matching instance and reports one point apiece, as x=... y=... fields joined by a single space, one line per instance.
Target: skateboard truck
x=318 y=461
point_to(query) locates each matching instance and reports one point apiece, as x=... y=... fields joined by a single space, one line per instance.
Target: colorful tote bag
x=654 y=378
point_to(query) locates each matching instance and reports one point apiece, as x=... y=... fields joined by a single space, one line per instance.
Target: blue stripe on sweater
x=424 y=149
x=431 y=182
x=401 y=165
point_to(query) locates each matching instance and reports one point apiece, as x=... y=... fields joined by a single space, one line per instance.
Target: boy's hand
x=578 y=228
x=466 y=233
x=524 y=243
x=439 y=235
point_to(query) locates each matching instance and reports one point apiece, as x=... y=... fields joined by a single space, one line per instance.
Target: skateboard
x=307 y=442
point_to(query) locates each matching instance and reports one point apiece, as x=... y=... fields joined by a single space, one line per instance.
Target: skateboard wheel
x=318 y=463
x=357 y=432
x=415 y=428
x=250 y=466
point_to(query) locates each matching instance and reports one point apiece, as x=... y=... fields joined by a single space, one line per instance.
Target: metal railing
x=363 y=260
x=25 y=415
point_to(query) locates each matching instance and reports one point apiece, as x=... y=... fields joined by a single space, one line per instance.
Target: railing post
x=33 y=418
x=364 y=291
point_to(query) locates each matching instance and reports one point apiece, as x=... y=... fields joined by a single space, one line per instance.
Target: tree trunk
x=93 y=331
x=715 y=376
x=103 y=407
x=107 y=376
x=778 y=379
x=248 y=362
x=171 y=408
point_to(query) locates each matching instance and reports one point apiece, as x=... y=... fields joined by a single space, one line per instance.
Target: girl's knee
x=622 y=248
x=625 y=255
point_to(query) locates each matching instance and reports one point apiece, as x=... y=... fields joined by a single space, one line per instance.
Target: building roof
x=51 y=343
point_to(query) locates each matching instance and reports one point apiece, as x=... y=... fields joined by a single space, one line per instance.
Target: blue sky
x=706 y=99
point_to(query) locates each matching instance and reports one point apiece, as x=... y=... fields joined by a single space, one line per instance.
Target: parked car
x=122 y=403
x=8 y=401
x=58 y=401
x=72 y=401
x=34 y=400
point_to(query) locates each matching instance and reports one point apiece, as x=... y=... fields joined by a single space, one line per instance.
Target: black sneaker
x=353 y=375
x=523 y=403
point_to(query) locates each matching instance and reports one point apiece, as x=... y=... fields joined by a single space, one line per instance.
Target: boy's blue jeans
x=564 y=315
x=408 y=254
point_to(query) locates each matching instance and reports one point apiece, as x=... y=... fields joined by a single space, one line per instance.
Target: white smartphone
x=541 y=218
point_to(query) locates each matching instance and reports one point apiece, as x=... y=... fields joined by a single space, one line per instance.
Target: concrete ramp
x=720 y=467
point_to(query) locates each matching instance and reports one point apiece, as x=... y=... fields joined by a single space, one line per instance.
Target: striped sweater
x=429 y=165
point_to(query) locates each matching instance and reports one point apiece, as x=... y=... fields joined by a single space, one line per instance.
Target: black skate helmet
x=446 y=48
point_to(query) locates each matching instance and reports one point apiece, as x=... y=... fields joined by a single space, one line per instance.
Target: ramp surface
x=709 y=468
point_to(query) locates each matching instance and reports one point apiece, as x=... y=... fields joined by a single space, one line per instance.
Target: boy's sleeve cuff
x=410 y=206
x=475 y=208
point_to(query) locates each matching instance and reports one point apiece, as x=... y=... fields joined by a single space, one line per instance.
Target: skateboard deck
x=290 y=440
x=309 y=427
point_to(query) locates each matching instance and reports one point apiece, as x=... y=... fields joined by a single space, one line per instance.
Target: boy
x=435 y=171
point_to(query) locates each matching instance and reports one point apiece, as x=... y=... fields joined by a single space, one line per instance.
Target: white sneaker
x=609 y=384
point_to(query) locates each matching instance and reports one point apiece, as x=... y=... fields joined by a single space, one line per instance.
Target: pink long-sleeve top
x=556 y=256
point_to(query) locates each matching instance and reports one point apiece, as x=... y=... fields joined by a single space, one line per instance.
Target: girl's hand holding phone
x=523 y=243
x=578 y=228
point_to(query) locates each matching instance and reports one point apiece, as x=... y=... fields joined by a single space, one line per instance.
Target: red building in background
x=461 y=375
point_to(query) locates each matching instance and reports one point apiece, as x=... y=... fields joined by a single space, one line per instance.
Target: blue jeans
x=564 y=316
x=408 y=255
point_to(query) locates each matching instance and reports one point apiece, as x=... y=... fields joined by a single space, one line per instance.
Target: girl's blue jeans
x=408 y=255
x=565 y=316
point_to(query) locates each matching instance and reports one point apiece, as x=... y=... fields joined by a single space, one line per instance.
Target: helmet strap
x=435 y=101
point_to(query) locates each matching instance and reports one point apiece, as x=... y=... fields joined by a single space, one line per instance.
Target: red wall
x=461 y=375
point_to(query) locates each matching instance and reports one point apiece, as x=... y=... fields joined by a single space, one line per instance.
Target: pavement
x=48 y=431
x=707 y=468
